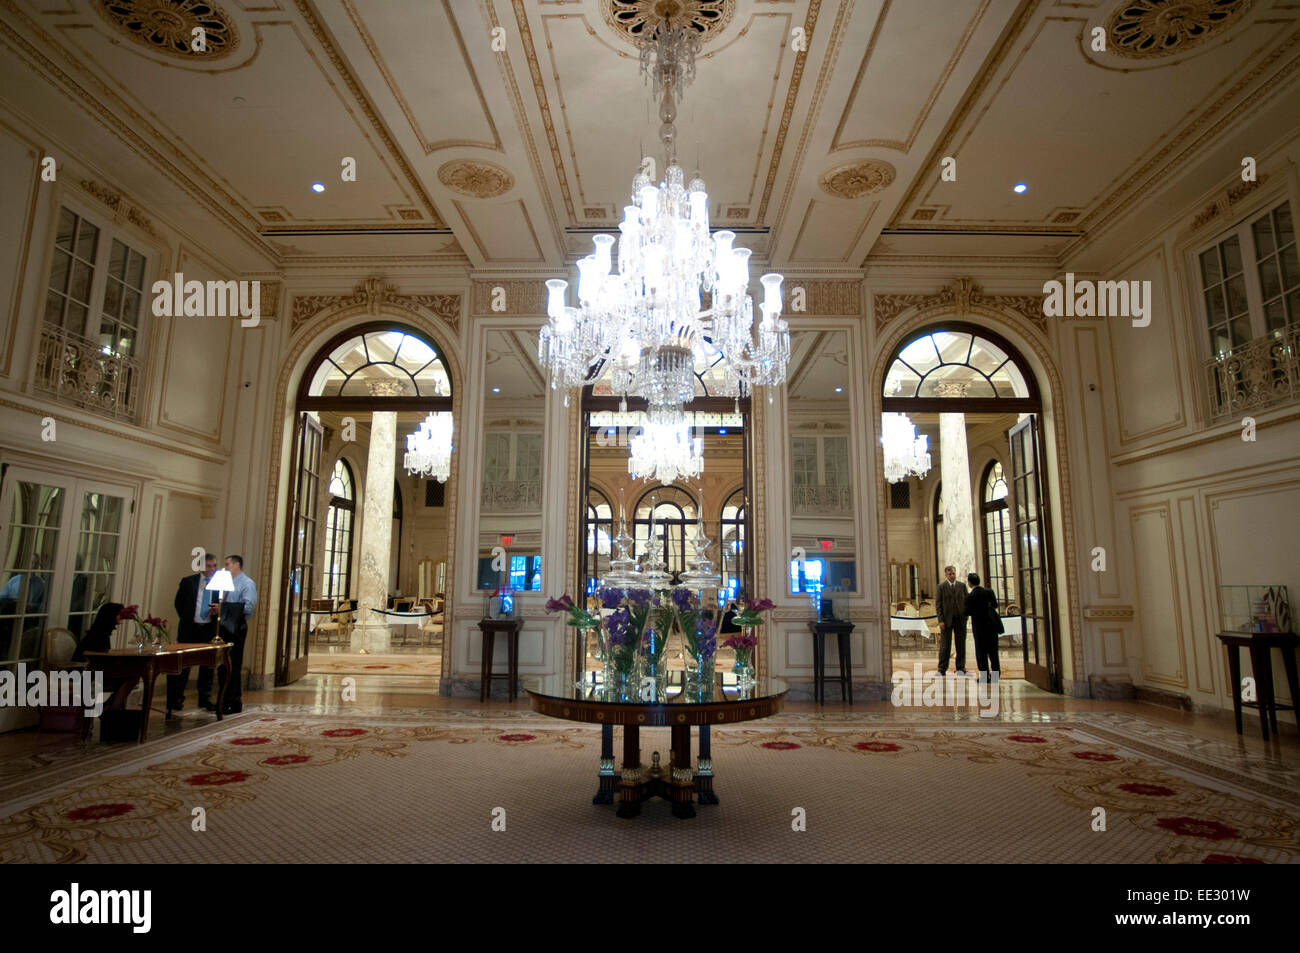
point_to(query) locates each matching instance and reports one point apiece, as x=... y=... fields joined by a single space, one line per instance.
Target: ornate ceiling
x=506 y=132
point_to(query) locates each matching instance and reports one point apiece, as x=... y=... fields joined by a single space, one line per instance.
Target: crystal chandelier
x=640 y=310
x=906 y=454
x=428 y=450
x=665 y=451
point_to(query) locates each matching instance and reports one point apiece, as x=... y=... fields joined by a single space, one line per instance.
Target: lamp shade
x=221 y=581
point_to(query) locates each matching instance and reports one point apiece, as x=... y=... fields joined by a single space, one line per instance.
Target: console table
x=819 y=631
x=510 y=629
x=146 y=666
x=1261 y=645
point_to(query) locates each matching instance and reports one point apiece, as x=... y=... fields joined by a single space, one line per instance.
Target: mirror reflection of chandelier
x=665 y=451
x=906 y=453
x=640 y=313
x=428 y=450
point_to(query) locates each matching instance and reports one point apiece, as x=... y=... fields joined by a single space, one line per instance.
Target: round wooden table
x=675 y=704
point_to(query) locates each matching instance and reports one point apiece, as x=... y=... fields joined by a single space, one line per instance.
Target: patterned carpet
x=283 y=787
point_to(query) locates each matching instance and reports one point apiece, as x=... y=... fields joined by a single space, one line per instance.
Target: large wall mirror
x=510 y=494
x=822 y=478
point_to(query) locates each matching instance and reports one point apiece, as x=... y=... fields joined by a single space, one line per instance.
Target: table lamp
x=220 y=583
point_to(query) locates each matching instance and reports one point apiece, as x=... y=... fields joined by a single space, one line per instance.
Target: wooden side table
x=510 y=628
x=845 y=678
x=1261 y=645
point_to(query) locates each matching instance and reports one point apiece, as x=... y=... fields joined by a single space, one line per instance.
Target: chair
x=56 y=655
x=339 y=625
x=431 y=625
x=403 y=605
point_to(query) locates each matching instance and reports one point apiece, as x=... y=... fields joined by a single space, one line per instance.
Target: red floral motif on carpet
x=780 y=745
x=377 y=666
x=287 y=759
x=877 y=746
x=1027 y=739
x=98 y=812
x=516 y=737
x=1197 y=827
x=343 y=732
x=218 y=777
x=250 y=741
x=1095 y=756
x=1229 y=859
x=1149 y=790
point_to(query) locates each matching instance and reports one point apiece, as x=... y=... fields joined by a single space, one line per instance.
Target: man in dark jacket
x=196 y=607
x=951 y=610
x=981 y=608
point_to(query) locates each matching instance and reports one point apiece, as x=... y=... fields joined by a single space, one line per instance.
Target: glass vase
x=700 y=668
x=744 y=667
x=652 y=654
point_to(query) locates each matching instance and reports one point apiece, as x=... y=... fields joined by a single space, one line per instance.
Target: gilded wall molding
x=1108 y=613
x=826 y=296
x=372 y=296
x=1223 y=203
x=961 y=297
x=521 y=297
x=122 y=209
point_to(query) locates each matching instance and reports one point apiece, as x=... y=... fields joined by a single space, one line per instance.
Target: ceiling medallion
x=168 y=26
x=640 y=20
x=1143 y=29
x=857 y=178
x=476 y=178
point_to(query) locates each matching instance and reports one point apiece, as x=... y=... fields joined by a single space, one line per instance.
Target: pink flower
x=128 y=613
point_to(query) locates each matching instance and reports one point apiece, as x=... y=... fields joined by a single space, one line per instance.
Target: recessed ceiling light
x=839 y=390
x=496 y=390
x=318 y=187
x=1020 y=188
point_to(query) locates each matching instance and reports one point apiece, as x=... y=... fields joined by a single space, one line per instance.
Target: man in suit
x=952 y=621
x=196 y=608
x=236 y=609
x=981 y=606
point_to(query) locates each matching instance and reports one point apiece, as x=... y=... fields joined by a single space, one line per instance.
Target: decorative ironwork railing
x=1260 y=374
x=512 y=496
x=75 y=369
x=821 y=499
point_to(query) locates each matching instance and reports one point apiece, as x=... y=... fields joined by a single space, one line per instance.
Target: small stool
x=489 y=628
x=845 y=678
x=1261 y=645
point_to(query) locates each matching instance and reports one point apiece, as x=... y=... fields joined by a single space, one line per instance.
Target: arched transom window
x=381 y=363
x=954 y=364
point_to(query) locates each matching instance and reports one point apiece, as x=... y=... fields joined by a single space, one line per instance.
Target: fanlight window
x=954 y=364
x=360 y=366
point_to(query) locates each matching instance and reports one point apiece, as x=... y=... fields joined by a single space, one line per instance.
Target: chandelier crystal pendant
x=665 y=451
x=428 y=450
x=906 y=453
x=640 y=311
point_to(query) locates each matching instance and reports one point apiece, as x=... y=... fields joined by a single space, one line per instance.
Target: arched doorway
x=955 y=380
x=374 y=382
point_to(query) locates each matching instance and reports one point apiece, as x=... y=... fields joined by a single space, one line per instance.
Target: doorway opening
x=366 y=557
x=980 y=507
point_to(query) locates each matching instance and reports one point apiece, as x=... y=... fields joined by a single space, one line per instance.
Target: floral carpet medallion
x=1039 y=783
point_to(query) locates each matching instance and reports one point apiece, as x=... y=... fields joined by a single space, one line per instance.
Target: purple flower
x=610 y=598
x=682 y=599
x=639 y=597
x=762 y=605
x=706 y=642
x=741 y=641
x=562 y=604
x=619 y=625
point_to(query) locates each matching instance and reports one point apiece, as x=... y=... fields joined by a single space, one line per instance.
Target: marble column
x=958 y=511
x=371 y=631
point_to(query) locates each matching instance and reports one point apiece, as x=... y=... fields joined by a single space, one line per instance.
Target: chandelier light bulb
x=555 y=289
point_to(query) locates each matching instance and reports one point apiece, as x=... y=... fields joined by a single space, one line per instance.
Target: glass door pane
x=31 y=549
x=1032 y=547
x=95 y=568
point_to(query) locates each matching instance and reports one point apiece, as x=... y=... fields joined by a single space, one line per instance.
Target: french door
x=299 y=564
x=1042 y=646
x=64 y=540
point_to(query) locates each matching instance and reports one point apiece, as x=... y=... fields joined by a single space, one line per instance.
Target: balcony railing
x=1260 y=374
x=77 y=371
x=822 y=500
x=512 y=496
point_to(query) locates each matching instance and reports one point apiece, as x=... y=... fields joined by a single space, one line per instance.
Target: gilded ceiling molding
x=1108 y=613
x=548 y=121
x=1226 y=201
x=520 y=297
x=826 y=296
x=123 y=210
x=856 y=179
x=476 y=178
x=1151 y=29
x=166 y=26
x=960 y=296
x=635 y=19
x=374 y=296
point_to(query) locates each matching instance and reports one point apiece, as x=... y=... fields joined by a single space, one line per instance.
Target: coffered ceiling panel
x=502 y=232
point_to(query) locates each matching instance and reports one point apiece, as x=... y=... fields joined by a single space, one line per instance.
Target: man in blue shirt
x=236 y=609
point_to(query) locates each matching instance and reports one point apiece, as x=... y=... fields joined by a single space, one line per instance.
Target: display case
x=1254 y=609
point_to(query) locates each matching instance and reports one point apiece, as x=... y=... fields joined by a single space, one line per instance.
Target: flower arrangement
x=745 y=641
x=150 y=629
x=578 y=616
x=751 y=615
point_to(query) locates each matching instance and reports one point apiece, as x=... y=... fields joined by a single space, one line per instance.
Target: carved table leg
x=682 y=785
x=704 y=770
x=608 y=780
x=629 y=786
